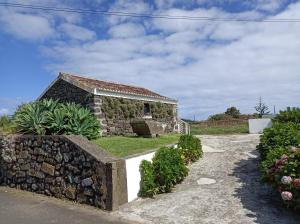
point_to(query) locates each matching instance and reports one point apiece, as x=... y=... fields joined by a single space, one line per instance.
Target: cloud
x=76 y=32
x=26 y=26
x=126 y=30
x=207 y=66
x=4 y=111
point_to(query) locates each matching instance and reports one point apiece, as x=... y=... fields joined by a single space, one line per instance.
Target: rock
x=204 y=181
x=66 y=157
x=20 y=174
x=81 y=198
x=70 y=192
x=48 y=168
x=88 y=192
x=25 y=166
x=34 y=187
x=58 y=157
x=87 y=182
x=22 y=155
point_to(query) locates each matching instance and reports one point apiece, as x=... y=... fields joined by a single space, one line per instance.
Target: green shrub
x=190 y=148
x=148 y=187
x=290 y=115
x=280 y=135
x=6 y=125
x=50 y=117
x=166 y=170
x=169 y=167
x=271 y=157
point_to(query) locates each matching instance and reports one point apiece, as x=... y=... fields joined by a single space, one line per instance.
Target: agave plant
x=80 y=121
x=31 y=119
x=51 y=117
x=56 y=120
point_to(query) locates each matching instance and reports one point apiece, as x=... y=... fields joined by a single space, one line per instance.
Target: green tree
x=233 y=111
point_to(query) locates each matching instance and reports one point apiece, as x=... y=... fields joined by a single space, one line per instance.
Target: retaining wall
x=257 y=126
x=64 y=167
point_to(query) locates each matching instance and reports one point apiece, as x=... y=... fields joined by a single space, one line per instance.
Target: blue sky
x=207 y=66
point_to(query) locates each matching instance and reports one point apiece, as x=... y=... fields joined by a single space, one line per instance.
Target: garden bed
x=125 y=146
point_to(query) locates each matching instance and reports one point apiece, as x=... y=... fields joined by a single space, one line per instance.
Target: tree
x=261 y=108
x=233 y=111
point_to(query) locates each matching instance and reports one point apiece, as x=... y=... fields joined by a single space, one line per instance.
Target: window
x=147 y=110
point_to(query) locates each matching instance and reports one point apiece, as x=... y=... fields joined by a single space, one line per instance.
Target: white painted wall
x=256 y=126
x=133 y=174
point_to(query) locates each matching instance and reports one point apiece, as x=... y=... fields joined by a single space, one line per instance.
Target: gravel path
x=223 y=187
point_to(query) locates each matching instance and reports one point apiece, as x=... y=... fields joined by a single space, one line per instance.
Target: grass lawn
x=124 y=146
x=220 y=130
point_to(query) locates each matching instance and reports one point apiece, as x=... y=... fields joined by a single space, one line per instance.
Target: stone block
x=70 y=192
x=147 y=127
x=48 y=168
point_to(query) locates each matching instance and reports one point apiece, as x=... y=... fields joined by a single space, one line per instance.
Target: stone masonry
x=114 y=114
x=64 y=167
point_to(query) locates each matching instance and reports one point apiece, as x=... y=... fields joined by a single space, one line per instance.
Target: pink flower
x=286 y=180
x=286 y=195
x=284 y=158
x=296 y=182
x=292 y=149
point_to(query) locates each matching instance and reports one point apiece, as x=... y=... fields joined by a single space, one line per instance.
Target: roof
x=100 y=87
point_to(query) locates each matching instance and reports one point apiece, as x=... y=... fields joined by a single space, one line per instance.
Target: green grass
x=124 y=146
x=220 y=130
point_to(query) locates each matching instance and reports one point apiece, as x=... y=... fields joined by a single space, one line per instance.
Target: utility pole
x=274 y=110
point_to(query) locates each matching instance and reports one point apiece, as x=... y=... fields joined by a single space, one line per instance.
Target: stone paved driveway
x=234 y=193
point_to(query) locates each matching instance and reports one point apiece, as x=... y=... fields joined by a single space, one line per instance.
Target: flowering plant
x=284 y=175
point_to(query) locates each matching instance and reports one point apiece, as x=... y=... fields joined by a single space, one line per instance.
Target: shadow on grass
x=263 y=203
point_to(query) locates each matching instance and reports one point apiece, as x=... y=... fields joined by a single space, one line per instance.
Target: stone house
x=115 y=105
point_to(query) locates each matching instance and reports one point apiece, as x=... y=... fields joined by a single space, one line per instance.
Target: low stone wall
x=64 y=167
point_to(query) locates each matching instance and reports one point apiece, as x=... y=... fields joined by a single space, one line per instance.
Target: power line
x=140 y=15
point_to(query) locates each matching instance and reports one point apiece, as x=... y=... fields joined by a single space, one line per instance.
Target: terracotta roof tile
x=114 y=87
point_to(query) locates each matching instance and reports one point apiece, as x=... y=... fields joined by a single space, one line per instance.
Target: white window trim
x=101 y=92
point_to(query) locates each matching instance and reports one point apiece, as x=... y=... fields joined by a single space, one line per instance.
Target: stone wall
x=64 y=167
x=116 y=114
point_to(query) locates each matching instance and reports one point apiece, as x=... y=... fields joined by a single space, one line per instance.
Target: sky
x=207 y=66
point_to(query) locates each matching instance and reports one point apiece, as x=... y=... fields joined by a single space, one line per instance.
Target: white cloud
x=126 y=30
x=77 y=32
x=207 y=66
x=4 y=111
x=25 y=25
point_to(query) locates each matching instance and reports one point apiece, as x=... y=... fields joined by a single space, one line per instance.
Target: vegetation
x=126 y=109
x=261 y=108
x=233 y=111
x=190 y=148
x=166 y=170
x=290 y=115
x=48 y=117
x=280 y=135
x=280 y=156
x=124 y=146
x=168 y=167
x=6 y=125
x=241 y=128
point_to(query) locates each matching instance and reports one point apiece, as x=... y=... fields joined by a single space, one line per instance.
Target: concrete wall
x=64 y=167
x=256 y=126
x=134 y=176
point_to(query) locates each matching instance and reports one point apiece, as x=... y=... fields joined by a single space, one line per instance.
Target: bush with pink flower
x=284 y=175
